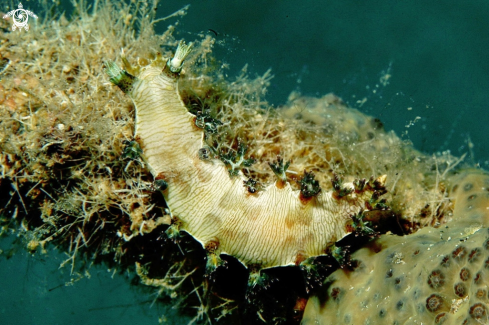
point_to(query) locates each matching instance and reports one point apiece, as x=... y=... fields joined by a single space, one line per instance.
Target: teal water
x=436 y=51
x=437 y=56
x=34 y=290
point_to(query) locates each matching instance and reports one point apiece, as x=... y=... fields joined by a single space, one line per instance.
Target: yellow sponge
x=434 y=276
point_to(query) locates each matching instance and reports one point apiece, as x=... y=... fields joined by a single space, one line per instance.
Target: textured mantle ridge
x=275 y=226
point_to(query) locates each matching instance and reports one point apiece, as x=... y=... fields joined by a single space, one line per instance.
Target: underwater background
x=435 y=52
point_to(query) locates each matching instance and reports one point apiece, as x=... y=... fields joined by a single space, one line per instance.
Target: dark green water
x=437 y=55
x=35 y=291
x=437 y=52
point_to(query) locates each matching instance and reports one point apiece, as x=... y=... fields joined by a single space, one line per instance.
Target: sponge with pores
x=434 y=276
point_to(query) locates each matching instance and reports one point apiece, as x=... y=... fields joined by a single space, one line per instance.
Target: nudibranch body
x=274 y=226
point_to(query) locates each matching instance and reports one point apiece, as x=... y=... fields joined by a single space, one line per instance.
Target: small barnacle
x=279 y=169
x=339 y=190
x=251 y=185
x=309 y=185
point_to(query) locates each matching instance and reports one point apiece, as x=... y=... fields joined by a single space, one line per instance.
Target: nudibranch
x=271 y=225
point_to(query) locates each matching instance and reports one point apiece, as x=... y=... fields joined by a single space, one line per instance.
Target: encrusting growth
x=277 y=226
x=434 y=276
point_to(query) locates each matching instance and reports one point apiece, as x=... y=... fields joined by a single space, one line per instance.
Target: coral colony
x=149 y=160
